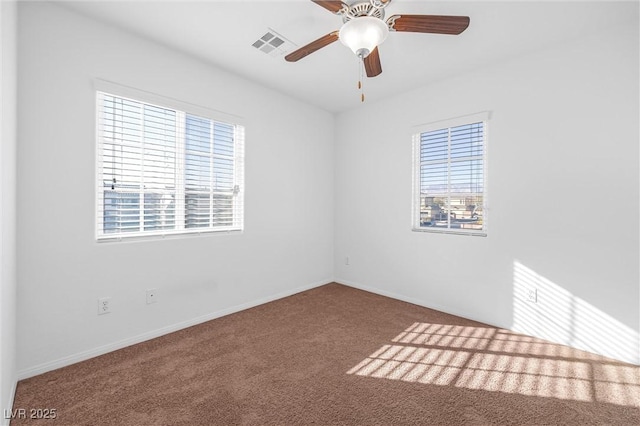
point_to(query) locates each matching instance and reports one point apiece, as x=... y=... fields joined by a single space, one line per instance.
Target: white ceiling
x=222 y=32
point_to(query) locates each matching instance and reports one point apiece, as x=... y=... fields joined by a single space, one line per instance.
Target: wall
x=287 y=244
x=563 y=196
x=8 y=279
x=563 y=149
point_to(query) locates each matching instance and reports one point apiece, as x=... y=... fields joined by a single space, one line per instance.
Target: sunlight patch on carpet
x=499 y=360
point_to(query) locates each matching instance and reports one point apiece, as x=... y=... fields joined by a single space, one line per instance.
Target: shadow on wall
x=497 y=360
x=545 y=309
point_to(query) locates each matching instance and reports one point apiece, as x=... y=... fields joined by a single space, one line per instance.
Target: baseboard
x=3 y=420
x=91 y=353
x=414 y=301
x=466 y=315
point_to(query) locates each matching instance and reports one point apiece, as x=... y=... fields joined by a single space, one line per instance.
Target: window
x=449 y=176
x=164 y=171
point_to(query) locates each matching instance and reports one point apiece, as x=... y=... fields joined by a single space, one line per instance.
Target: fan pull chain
x=361 y=78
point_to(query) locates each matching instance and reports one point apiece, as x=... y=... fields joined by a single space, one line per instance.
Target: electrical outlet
x=104 y=305
x=346 y=260
x=532 y=295
x=152 y=295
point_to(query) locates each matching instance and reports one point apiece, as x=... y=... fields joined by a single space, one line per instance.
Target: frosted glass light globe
x=363 y=34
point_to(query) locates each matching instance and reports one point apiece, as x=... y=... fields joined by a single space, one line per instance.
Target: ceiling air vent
x=273 y=44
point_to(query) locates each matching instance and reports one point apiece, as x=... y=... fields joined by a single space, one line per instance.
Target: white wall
x=563 y=196
x=287 y=244
x=563 y=182
x=8 y=278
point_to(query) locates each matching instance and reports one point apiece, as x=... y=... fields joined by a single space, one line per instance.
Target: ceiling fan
x=364 y=29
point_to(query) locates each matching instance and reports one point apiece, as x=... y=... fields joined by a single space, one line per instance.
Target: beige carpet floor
x=337 y=355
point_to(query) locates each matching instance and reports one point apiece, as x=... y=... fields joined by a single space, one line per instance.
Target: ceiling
x=222 y=33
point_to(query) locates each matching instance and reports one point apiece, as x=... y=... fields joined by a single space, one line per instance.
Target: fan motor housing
x=364 y=8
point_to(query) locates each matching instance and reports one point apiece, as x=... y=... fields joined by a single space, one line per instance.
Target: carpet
x=335 y=355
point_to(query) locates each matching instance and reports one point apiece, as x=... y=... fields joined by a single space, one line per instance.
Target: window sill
x=451 y=231
x=165 y=236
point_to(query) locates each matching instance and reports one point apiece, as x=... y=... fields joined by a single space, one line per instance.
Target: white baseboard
x=434 y=306
x=3 y=420
x=451 y=311
x=101 y=350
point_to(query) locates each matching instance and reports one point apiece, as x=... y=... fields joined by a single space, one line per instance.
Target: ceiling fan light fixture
x=363 y=34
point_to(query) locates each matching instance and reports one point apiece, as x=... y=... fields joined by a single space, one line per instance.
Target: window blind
x=164 y=171
x=450 y=179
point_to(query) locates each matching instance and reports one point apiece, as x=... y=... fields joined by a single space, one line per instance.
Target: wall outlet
x=152 y=295
x=104 y=305
x=346 y=260
x=532 y=295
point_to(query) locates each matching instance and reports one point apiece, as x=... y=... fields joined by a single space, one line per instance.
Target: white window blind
x=449 y=186
x=163 y=171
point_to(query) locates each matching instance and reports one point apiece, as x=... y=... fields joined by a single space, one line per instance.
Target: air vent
x=273 y=44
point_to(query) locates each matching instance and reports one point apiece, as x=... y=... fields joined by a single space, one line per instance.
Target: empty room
x=300 y=212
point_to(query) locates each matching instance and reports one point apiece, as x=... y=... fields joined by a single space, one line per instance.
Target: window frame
x=182 y=110
x=417 y=131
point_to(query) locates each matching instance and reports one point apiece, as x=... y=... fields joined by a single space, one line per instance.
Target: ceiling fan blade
x=331 y=6
x=436 y=24
x=372 y=63
x=312 y=47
